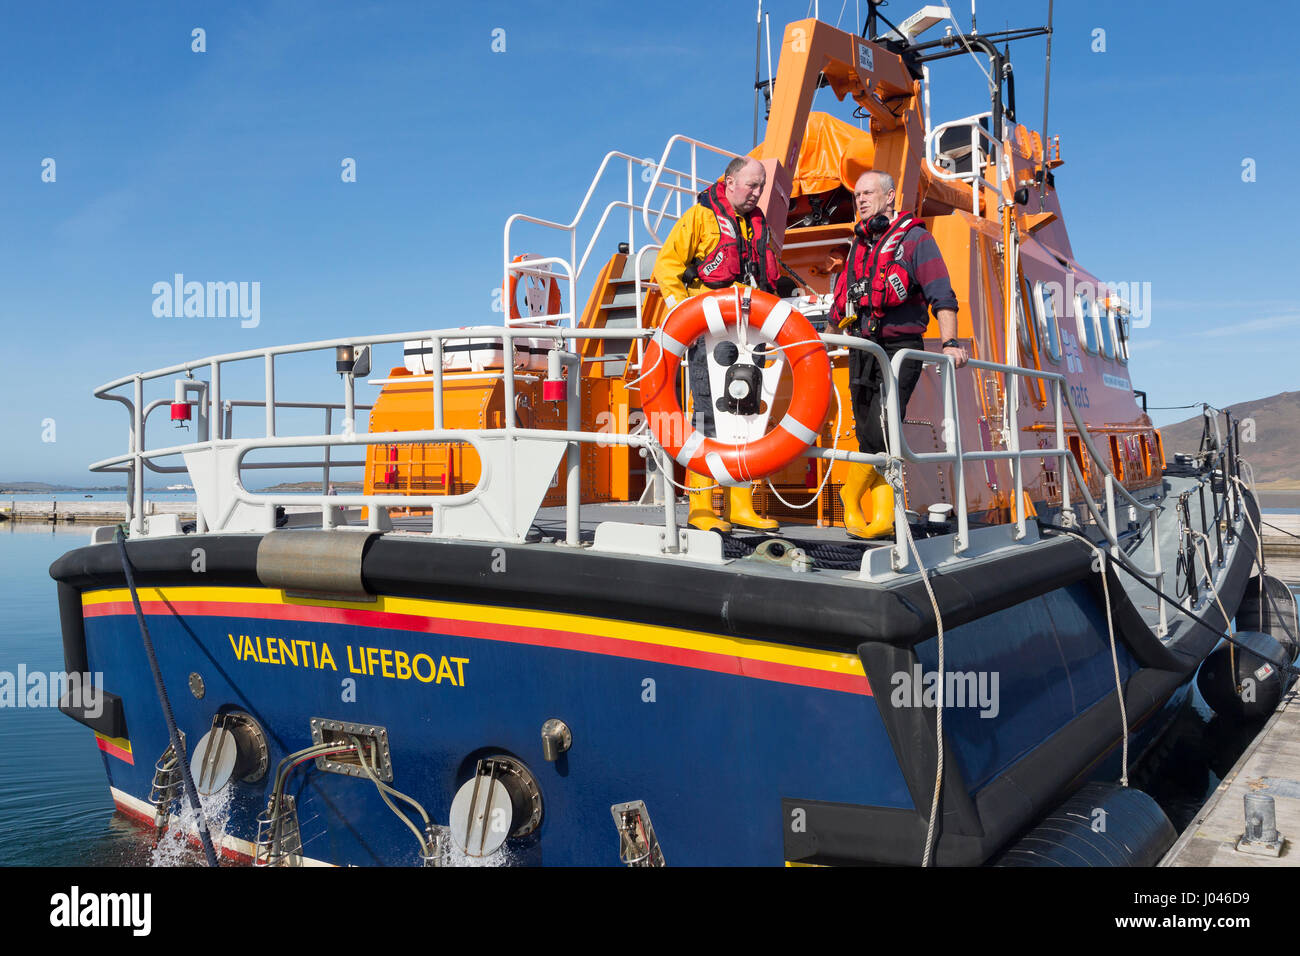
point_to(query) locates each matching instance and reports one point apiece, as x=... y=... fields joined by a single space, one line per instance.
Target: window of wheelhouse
x=1026 y=335
x=1045 y=307
x=1116 y=458
x=1102 y=318
x=1084 y=321
x=1029 y=344
x=1076 y=448
x=1120 y=327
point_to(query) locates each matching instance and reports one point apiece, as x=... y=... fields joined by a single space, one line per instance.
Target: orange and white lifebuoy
x=774 y=321
x=536 y=285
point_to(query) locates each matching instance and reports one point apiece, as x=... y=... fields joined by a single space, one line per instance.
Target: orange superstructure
x=1004 y=241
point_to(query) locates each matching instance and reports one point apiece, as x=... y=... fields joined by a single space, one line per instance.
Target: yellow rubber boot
x=882 y=510
x=701 y=515
x=740 y=510
x=859 y=480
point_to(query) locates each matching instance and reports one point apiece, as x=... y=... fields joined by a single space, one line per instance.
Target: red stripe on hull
x=507 y=633
x=115 y=750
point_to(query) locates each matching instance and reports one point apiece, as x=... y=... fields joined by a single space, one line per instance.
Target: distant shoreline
x=26 y=488
x=1279 y=499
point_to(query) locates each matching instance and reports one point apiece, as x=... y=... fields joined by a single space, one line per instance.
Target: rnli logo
x=713 y=263
x=896 y=284
x=726 y=228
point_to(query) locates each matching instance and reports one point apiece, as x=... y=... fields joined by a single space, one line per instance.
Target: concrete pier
x=1281 y=550
x=1270 y=766
x=82 y=511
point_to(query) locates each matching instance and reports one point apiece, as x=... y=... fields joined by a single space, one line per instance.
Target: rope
x=1276 y=528
x=896 y=479
x=961 y=35
x=178 y=748
x=839 y=409
x=1259 y=541
x=1102 y=557
x=1136 y=575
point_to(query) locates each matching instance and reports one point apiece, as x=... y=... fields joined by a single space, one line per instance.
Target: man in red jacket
x=894 y=270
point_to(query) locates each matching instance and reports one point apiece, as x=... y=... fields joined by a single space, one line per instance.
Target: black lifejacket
x=735 y=258
x=877 y=280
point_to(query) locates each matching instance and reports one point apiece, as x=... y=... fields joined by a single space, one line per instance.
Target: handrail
x=138 y=455
x=976 y=175
x=955 y=454
x=575 y=265
x=677 y=188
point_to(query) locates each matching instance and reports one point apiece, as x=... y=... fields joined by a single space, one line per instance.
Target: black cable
x=1276 y=528
x=1136 y=574
x=178 y=748
x=794 y=275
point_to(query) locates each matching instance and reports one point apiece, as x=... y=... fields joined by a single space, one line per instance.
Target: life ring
x=553 y=303
x=774 y=321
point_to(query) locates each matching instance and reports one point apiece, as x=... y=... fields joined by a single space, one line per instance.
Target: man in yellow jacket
x=719 y=242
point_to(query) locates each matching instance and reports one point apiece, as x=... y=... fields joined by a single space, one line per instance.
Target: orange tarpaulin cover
x=826 y=140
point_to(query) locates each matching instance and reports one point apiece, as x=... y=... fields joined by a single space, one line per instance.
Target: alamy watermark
x=976 y=689
x=1132 y=297
x=76 y=908
x=47 y=689
x=211 y=300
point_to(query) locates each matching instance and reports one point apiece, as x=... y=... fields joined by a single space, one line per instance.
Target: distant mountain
x=1273 y=423
x=314 y=486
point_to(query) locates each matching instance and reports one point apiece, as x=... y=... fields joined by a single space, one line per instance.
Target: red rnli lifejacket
x=878 y=280
x=734 y=259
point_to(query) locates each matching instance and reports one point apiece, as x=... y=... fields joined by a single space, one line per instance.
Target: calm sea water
x=55 y=808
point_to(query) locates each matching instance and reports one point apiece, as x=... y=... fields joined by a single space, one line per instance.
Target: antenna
x=758 y=50
x=972 y=17
x=771 y=80
x=1047 y=89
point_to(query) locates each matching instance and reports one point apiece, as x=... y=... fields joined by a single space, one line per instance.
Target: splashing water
x=178 y=844
x=454 y=856
x=448 y=853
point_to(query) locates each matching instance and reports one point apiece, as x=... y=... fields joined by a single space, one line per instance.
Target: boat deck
x=829 y=548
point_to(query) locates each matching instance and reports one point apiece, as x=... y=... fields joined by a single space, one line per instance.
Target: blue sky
x=225 y=166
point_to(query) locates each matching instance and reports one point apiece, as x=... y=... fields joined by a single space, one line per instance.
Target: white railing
x=686 y=183
x=503 y=482
x=959 y=458
x=572 y=265
x=225 y=469
x=975 y=176
x=138 y=457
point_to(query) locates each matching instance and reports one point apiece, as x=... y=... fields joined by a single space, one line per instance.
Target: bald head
x=743 y=182
x=873 y=194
